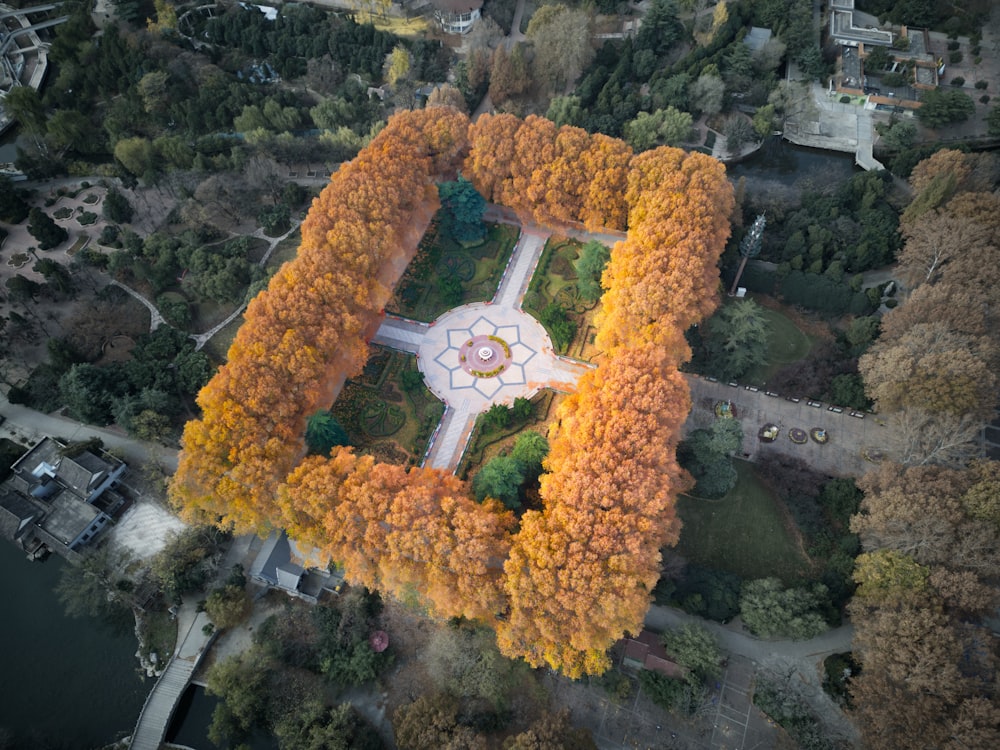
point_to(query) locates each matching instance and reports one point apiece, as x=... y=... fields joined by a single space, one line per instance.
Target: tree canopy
x=608 y=503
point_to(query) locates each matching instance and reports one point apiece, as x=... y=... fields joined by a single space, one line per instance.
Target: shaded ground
x=744 y=532
x=727 y=720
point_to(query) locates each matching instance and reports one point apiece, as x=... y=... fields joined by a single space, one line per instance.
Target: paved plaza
x=483 y=353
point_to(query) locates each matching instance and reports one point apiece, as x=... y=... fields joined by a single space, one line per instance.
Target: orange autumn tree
x=612 y=476
x=581 y=572
x=409 y=533
x=612 y=473
x=552 y=175
x=306 y=332
x=663 y=278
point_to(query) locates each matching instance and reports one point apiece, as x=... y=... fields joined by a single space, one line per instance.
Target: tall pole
x=749 y=248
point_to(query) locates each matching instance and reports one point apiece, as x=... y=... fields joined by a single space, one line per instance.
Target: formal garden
x=387 y=411
x=564 y=291
x=447 y=273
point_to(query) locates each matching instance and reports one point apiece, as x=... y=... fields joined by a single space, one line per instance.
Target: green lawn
x=743 y=533
x=785 y=345
x=554 y=281
x=217 y=347
x=286 y=250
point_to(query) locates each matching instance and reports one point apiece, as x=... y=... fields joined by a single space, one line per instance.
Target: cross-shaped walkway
x=483 y=353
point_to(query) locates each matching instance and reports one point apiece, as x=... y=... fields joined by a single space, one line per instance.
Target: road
x=27 y=426
x=800 y=662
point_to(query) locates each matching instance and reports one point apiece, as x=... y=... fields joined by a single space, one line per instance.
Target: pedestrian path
x=162 y=700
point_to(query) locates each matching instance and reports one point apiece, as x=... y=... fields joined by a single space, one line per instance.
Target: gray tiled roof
x=14 y=511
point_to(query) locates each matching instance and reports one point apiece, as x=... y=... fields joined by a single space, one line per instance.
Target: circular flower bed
x=725 y=410
x=873 y=455
x=798 y=436
x=768 y=433
x=819 y=435
x=484 y=356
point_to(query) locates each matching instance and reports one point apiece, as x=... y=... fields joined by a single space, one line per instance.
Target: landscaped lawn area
x=286 y=250
x=487 y=442
x=445 y=274
x=382 y=416
x=785 y=344
x=743 y=533
x=553 y=289
x=217 y=347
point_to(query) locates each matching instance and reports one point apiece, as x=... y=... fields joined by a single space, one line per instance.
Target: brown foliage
x=933 y=368
x=609 y=494
x=609 y=510
x=919 y=511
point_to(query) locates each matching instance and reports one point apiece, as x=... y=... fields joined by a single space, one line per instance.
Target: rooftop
x=68 y=517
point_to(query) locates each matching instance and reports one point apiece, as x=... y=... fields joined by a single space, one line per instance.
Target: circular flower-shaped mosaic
x=484 y=356
x=819 y=435
x=798 y=436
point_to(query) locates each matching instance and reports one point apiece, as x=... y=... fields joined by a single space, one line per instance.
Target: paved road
x=27 y=426
x=840 y=456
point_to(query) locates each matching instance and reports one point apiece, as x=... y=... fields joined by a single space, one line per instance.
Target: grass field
x=743 y=533
x=785 y=345
x=217 y=347
x=286 y=250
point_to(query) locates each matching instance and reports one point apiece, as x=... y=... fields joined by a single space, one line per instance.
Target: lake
x=66 y=684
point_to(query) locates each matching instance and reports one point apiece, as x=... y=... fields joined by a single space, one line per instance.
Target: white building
x=457 y=16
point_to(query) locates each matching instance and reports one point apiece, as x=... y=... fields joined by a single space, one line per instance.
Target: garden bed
x=383 y=414
x=445 y=274
x=487 y=442
x=554 y=300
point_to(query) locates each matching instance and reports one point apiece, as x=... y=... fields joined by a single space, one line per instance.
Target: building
x=646 y=652
x=282 y=565
x=59 y=497
x=850 y=27
x=457 y=16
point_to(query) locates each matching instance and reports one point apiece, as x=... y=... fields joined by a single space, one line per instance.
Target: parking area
x=849 y=432
x=726 y=721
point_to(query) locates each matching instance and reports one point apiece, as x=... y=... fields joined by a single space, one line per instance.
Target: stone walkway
x=161 y=702
x=440 y=346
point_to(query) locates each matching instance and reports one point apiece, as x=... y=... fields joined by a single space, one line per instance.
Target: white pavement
x=439 y=347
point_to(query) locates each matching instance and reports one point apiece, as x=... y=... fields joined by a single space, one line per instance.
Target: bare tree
x=918 y=438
